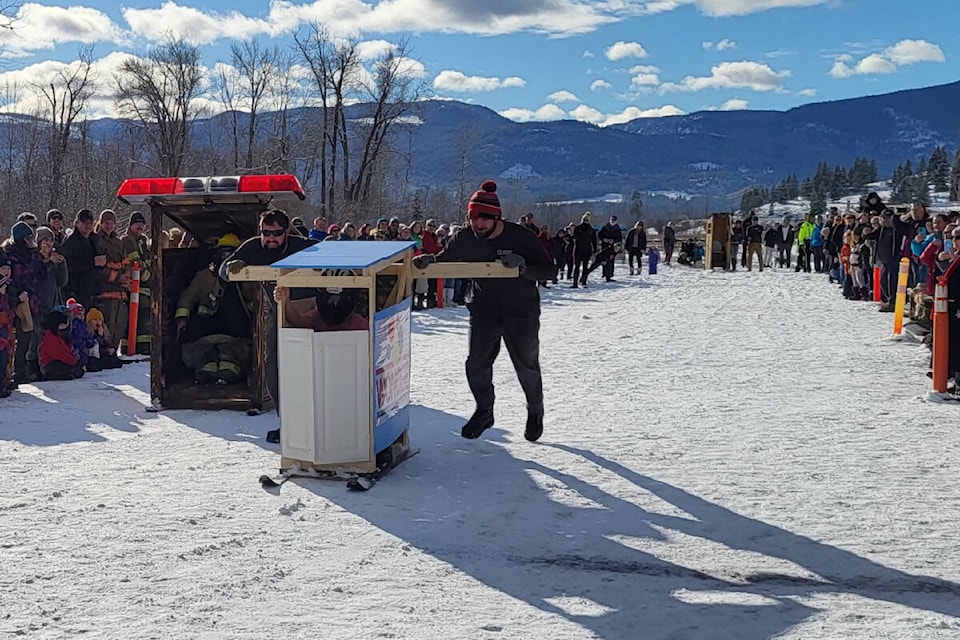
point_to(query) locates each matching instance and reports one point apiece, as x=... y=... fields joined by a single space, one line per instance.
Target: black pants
x=818 y=262
x=889 y=271
x=522 y=338
x=57 y=370
x=604 y=259
x=634 y=254
x=783 y=257
x=580 y=270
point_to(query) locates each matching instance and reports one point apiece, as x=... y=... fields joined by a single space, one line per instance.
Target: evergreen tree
x=873 y=174
x=818 y=204
x=792 y=187
x=939 y=170
x=839 y=186
x=955 y=177
x=806 y=188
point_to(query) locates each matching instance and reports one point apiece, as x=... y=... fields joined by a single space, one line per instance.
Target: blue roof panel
x=345 y=254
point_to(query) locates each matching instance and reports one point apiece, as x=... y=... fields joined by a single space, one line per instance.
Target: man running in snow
x=505 y=309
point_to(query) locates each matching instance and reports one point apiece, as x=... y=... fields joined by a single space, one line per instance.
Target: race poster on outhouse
x=391 y=373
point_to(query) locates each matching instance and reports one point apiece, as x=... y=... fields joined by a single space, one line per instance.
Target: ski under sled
x=386 y=461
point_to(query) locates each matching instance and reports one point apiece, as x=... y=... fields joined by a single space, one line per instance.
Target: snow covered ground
x=741 y=456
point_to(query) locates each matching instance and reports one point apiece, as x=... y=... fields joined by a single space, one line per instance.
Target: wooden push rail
x=314 y=278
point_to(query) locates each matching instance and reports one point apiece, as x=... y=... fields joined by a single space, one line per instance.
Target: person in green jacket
x=804 y=237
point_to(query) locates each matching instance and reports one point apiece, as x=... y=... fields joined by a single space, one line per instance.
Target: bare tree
x=392 y=94
x=160 y=93
x=63 y=101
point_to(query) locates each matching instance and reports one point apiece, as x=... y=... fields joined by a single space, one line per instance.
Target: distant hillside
x=711 y=153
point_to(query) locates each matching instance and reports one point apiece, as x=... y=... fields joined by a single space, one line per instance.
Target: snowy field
x=740 y=456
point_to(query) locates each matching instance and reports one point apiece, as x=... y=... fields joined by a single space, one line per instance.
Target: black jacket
x=584 y=240
x=610 y=235
x=82 y=281
x=502 y=297
x=788 y=241
x=753 y=233
x=641 y=236
x=770 y=238
x=253 y=253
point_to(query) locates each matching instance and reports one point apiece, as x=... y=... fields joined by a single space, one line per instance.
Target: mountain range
x=712 y=153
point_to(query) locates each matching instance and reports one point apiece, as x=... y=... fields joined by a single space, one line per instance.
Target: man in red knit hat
x=505 y=309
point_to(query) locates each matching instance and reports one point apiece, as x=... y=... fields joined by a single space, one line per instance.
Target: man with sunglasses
x=274 y=243
x=506 y=309
x=55 y=222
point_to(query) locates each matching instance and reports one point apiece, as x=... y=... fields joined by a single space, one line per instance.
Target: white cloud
x=874 y=63
x=725 y=44
x=723 y=8
x=733 y=75
x=563 y=96
x=807 y=93
x=644 y=76
x=40 y=27
x=734 y=104
x=632 y=113
x=912 y=51
x=620 y=50
x=903 y=53
x=193 y=24
x=583 y=113
x=545 y=113
x=372 y=49
x=588 y=54
x=600 y=85
x=448 y=80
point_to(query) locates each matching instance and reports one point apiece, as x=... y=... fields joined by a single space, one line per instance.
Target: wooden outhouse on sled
x=717 y=245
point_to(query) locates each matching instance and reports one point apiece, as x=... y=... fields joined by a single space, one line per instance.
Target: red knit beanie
x=485 y=203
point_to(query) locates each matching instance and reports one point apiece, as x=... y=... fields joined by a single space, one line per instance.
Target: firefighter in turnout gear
x=214 y=322
x=136 y=248
x=114 y=276
x=611 y=243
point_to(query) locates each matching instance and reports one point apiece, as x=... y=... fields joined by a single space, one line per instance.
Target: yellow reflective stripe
x=182 y=312
x=229 y=366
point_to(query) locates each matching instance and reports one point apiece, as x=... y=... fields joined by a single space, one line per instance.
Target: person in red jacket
x=432 y=245
x=57 y=359
x=549 y=246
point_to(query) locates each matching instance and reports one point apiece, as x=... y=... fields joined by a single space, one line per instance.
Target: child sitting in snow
x=80 y=337
x=57 y=358
x=102 y=355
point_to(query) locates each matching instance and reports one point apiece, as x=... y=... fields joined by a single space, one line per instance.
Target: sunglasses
x=274 y=233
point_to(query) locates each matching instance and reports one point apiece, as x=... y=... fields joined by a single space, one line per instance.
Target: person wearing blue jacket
x=816 y=245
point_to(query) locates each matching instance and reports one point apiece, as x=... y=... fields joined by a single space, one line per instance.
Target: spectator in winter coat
x=7 y=319
x=669 y=241
x=55 y=224
x=736 y=239
x=103 y=354
x=319 y=231
x=83 y=260
x=55 y=274
x=804 y=237
x=57 y=358
x=785 y=237
x=769 y=246
x=611 y=243
x=81 y=339
x=753 y=238
x=114 y=275
x=27 y=270
x=549 y=247
x=816 y=245
x=584 y=246
x=890 y=239
x=636 y=245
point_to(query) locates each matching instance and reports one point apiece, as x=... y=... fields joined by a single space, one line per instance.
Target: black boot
x=273 y=436
x=534 y=426
x=480 y=421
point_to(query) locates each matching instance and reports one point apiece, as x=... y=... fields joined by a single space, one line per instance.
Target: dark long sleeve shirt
x=502 y=297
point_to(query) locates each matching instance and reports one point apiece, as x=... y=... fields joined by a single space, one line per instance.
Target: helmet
x=335 y=305
x=229 y=240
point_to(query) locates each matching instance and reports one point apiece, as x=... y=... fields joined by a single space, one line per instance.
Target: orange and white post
x=134 y=310
x=941 y=337
x=901 y=296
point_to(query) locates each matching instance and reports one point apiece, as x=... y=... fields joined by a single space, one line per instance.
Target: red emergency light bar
x=142 y=189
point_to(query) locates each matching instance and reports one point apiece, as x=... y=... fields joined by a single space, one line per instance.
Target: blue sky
x=600 y=62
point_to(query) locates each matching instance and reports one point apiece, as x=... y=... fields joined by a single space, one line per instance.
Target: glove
x=514 y=261
x=3 y=344
x=236 y=266
x=423 y=261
